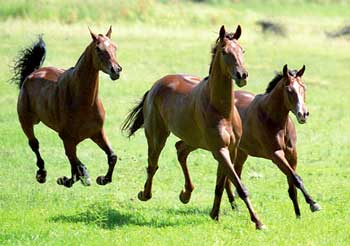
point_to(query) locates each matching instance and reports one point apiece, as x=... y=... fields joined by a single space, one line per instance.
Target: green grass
x=166 y=42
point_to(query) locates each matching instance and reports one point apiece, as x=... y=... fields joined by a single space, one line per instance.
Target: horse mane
x=277 y=78
x=215 y=47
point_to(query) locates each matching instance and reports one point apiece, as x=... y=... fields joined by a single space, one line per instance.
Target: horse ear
x=109 y=32
x=238 y=32
x=93 y=35
x=285 y=71
x=222 y=33
x=301 y=71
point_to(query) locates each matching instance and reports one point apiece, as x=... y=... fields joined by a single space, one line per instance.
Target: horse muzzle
x=240 y=78
x=302 y=117
x=241 y=82
x=115 y=72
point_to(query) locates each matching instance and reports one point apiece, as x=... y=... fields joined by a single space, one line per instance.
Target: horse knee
x=298 y=182
x=242 y=192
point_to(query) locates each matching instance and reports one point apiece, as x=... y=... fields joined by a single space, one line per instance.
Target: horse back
x=49 y=74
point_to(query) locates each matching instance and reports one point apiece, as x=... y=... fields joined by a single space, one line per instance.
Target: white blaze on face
x=106 y=43
x=300 y=93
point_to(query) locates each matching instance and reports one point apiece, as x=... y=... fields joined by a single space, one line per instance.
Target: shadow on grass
x=103 y=215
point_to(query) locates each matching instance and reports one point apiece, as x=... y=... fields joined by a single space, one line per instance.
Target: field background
x=156 y=38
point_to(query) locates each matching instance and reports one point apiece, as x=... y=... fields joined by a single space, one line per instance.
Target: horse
x=67 y=101
x=269 y=132
x=201 y=113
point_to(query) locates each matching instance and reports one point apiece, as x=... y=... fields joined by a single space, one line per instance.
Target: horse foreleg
x=101 y=140
x=223 y=157
x=280 y=160
x=238 y=161
x=78 y=170
x=183 y=150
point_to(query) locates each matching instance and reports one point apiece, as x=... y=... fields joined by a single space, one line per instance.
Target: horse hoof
x=41 y=176
x=102 y=180
x=185 y=197
x=85 y=180
x=62 y=180
x=215 y=215
x=142 y=197
x=234 y=205
x=315 y=207
x=260 y=226
x=65 y=181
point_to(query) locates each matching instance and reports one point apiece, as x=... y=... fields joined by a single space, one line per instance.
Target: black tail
x=28 y=60
x=134 y=120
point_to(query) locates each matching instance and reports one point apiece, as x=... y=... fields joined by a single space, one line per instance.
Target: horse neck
x=220 y=89
x=85 y=81
x=273 y=104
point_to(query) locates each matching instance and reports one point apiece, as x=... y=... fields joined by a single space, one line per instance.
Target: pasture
x=154 y=39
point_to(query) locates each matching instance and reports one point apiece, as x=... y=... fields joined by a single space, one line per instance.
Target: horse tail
x=134 y=120
x=28 y=60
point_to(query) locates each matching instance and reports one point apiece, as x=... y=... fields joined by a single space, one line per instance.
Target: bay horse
x=269 y=132
x=201 y=113
x=67 y=101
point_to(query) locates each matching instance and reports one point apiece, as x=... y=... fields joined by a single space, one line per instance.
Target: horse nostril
x=120 y=68
x=307 y=113
x=245 y=75
x=238 y=75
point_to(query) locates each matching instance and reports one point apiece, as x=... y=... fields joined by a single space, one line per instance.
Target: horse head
x=294 y=93
x=230 y=53
x=104 y=54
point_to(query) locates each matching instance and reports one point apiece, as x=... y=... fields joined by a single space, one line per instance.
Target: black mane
x=277 y=78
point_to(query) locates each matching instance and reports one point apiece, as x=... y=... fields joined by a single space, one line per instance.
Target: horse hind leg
x=183 y=150
x=28 y=128
x=156 y=135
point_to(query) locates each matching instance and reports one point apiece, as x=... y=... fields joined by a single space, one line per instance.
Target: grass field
x=156 y=39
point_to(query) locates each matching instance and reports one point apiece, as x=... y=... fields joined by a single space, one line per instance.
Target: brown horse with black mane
x=67 y=101
x=202 y=114
x=268 y=131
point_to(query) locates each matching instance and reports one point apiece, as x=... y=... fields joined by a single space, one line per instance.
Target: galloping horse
x=201 y=113
x=268 y=131
x=67 y=101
